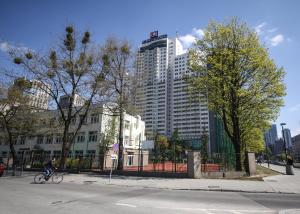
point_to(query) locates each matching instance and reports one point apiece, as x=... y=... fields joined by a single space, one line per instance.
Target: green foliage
x=161 y=142
x=17 y=60
x=72 y=163
x=243 y=85
x=28 y=55
x=86 y=38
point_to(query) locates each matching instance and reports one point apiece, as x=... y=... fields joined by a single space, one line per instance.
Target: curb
x=205 y=190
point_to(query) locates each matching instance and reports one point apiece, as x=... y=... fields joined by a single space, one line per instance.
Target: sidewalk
x=272 y=184
x=283 y=183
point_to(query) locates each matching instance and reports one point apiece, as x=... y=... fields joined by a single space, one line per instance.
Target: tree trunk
x=64 y=151
x=238 y=163
x=12 y=150
x=121 y=147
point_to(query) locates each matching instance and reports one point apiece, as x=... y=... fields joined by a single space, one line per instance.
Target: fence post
x=250 y=163
x=194 y=164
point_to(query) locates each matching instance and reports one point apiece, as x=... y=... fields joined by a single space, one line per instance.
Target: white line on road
x=217 y=210
x=126 y=205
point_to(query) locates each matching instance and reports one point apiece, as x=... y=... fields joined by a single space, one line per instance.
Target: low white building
x=87 y=140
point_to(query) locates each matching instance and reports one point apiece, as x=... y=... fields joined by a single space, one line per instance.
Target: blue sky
x=38 y=24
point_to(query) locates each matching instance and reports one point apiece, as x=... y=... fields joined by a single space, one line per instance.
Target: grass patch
x=261 y=172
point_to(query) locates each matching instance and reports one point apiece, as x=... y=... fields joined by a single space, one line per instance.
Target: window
x=22 y=140
x=129 y=160
x=49 y=139
x=78 y=153
x=71 y=137
x=56 y=154
x=94 y=118
x=40 y=139
x=4 y=154
x=81 y=137
x=58 y=139
x=126 y=141
x=91 y=153
x=83 y=119
x=93 y=136
x=127 y=124
x=73 y=120
x=47 y=155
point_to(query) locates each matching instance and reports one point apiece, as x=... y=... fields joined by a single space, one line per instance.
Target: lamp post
x=288 y=168
x=283 y=124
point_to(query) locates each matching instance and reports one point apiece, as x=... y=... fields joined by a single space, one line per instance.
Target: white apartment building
x=163 y=101
x=38 y=95
x=88 y=138
x=65 y=100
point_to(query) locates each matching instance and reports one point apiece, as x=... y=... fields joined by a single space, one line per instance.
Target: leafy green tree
x=242 y=84
x=71 y=68
x=161 y=146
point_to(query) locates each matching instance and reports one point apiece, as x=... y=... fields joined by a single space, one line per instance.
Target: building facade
x=38 y=95
x=271 y=136
x=65 y=100
x=162 y=99
x=288 y=138
x=48 y=138
x=296 y=147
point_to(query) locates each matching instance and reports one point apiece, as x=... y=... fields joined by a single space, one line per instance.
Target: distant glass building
x=271 y=136
x=287 y=137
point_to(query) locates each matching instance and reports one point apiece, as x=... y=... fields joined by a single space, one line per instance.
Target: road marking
x=217 y=210
x=126 y=205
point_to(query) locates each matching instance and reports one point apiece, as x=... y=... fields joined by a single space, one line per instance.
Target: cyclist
x=49 y=168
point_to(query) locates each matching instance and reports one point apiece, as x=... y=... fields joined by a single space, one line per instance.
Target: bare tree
x=117 y=60
x=16 y=115
x=72 y=69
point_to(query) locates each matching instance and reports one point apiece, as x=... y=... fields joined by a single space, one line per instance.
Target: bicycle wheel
x=39 y=178
x=57 y=178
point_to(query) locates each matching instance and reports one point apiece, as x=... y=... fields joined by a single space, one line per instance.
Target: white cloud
x=295 y=108
x=259 y=28
x=6 y=47
x=276 y=40
x=198 y=32
x=189 y=39
x=295 y=132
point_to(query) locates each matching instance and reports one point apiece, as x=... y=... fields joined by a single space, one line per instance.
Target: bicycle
x=54 y=176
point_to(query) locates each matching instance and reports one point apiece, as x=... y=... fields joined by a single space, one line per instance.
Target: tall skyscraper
x=39 y=95
x=271 y=136
x=162 y=99
x=287 y=137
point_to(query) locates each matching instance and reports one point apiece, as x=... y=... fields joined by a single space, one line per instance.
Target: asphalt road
x=21 y=196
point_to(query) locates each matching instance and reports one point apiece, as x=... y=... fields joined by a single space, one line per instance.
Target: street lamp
x=283 y=124
x=287 y=167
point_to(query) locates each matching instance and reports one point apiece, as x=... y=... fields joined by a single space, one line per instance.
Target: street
x=21 y=196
